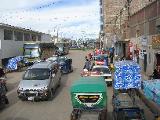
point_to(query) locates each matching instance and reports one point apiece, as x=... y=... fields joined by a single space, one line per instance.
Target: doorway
x=145 y=62
x=158 y=62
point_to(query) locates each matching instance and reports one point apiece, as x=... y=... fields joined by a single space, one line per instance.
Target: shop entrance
x=158 y=62
x=145 y=62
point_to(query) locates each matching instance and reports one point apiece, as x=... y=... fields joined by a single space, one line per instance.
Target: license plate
x=30 y=98
x=108 y=80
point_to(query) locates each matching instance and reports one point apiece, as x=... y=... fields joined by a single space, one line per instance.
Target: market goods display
x=127 y=75
x=152 y=90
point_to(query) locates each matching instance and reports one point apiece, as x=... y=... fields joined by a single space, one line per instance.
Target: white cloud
x=69 y=20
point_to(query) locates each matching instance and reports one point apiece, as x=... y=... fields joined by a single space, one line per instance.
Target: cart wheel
x=114 y=116
x=103 y=115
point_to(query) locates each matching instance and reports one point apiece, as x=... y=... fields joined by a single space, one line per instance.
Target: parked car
x=40 y=81
x=3 y=97
x=103 y=71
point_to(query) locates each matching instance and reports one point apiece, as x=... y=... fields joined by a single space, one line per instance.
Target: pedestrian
x=2 y=73
x=86 y=57
x=87 y=65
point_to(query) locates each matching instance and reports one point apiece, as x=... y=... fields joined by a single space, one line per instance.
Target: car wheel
x=50 y=95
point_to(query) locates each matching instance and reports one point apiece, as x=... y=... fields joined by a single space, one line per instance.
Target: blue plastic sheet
x=127 y=75
x=13 y=63
x=152 y=90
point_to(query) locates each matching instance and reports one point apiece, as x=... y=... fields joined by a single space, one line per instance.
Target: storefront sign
x=156 y=42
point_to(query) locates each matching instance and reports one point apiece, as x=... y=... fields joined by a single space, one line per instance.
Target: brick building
x=133 y=27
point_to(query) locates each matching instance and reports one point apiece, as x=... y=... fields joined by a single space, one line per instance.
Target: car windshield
x=62 y=59
x=31 y=52
x=100 y=58
x=36 y=74
x=101 y=69
x=52 y=59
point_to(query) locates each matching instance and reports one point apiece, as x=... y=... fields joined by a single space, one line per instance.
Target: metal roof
x=20 y=28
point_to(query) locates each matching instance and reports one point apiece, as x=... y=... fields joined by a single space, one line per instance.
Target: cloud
x=70 y=18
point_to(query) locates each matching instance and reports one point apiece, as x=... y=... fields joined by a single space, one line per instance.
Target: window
x=27 y=37
x=18 y=36
x=8 y=34
x=39 y=37
x=158 y=29
x=33 y=37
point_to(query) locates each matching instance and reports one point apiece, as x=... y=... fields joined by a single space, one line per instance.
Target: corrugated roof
x=20 y=28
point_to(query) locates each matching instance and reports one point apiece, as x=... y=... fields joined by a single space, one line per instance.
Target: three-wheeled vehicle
x=124 y=106
x=89 y=99
x=65 y=64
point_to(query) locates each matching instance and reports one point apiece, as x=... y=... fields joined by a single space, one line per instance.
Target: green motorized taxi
x=89 y=94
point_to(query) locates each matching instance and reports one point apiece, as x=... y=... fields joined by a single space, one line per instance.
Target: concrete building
x=12 y=39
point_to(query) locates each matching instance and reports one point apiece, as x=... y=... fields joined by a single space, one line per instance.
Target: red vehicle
x=100 y=59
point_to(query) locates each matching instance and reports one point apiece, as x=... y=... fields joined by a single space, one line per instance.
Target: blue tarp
x=13 y=62
x=152 y=90
x=127 y=75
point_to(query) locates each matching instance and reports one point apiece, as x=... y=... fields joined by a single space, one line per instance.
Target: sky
x=69 y=18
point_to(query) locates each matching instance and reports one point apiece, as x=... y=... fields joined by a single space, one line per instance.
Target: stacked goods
x=127 y=75
x=13 y=63
x=152 y=90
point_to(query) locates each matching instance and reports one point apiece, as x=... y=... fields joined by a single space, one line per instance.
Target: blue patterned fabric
x=152 y=90
x=127 y=75
x=13 y=62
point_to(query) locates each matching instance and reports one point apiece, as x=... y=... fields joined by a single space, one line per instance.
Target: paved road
x=57 y=109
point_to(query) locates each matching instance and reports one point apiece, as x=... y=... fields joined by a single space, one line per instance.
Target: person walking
x=87 y=65
x=155 y=74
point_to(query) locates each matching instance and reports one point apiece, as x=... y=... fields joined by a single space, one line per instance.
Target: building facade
x=144 y=35
x=12 y=39
x=136 y=25
x=133 y=26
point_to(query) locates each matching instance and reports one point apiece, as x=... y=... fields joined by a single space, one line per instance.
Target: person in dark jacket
x=155 y=74
x=87 y=65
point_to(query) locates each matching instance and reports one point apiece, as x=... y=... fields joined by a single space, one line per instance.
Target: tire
x=6 y=89
x=103 y=115
x=3 y=102
x=50 y=95
x=6 y=100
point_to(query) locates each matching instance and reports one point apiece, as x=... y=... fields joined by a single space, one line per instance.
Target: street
x=57 y=109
